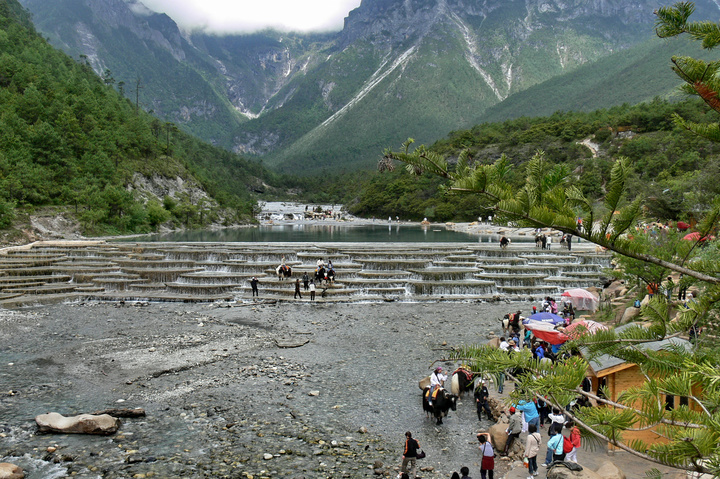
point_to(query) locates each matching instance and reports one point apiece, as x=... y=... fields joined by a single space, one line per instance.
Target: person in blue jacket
x=530 y=411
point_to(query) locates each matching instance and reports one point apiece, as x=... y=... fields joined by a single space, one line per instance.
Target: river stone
x=81 y=424
x=10 y=471
x=610 y=471
x=494 y=343
x=629 y=315
x=560 y=471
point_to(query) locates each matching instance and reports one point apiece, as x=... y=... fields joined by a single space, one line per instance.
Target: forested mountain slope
x=68 y=139
x=674 y=170
x=327 y=103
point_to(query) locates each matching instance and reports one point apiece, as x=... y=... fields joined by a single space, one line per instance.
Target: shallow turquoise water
x=321 y=234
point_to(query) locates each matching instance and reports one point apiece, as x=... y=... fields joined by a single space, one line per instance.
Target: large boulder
x=10 y=471
x=610 y=471
x=498 y=436
x=629 y=315
x=565 y=470
x=82 y=424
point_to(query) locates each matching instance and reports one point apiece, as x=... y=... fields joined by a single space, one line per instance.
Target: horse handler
x=481 y=400
x=410 y=454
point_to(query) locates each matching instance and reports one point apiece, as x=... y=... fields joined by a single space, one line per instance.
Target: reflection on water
x=319 y=233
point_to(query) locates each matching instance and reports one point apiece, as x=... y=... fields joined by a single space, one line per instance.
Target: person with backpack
x=532 y=449
x=558 y=419
x=575 y=440
x=555 y=444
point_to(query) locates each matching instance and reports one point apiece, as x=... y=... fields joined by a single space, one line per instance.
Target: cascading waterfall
x=222 y=271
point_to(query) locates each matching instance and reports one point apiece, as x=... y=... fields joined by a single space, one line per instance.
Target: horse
x=461 y=380
x=443 y=402
x=283 y=271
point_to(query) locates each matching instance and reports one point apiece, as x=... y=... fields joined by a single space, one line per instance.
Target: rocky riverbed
x=253 y=390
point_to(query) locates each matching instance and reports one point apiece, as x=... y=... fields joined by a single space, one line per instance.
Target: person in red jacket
x=575 y=439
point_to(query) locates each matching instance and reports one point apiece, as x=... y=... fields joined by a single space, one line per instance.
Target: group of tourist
x=564 y=437
x=308 y=283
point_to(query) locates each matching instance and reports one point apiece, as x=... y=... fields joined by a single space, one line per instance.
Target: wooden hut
x=617 y=376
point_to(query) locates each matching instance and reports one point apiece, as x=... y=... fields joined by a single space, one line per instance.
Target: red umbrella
x=682 y=226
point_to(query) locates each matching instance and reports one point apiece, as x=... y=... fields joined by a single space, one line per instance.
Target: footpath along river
x=224 y=395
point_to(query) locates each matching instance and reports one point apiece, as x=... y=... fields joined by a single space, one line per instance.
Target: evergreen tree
x=689 y=433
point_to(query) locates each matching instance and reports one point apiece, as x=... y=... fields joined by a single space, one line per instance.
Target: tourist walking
x=306 y=281
x=532 y=449
x=575 y=440
x=254 y=285
x=487 y=464
x=312 y=290
x=297 y=290
x=410 y=454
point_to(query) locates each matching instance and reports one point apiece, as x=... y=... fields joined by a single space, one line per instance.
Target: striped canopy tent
x=546 y=332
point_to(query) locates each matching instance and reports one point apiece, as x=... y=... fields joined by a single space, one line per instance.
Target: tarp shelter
x=581 y=299
x=694 y=236
x=578 y=328
x=546 y=318
x=546 y=331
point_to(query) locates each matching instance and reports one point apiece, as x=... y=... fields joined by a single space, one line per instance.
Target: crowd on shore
x=564 y=438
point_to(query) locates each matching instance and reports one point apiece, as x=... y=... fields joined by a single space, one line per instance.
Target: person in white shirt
x=437 y=380
x=503 y=344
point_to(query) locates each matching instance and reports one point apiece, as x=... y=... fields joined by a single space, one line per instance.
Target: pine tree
x=690 y=432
